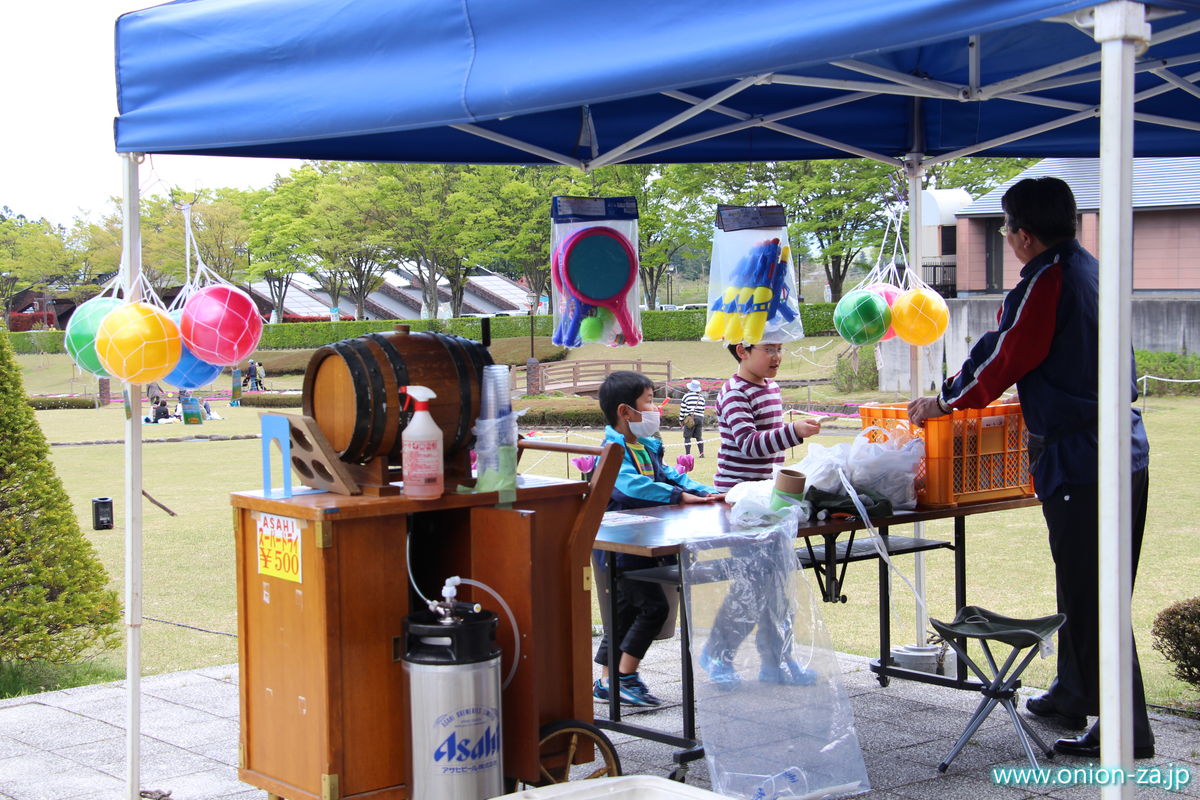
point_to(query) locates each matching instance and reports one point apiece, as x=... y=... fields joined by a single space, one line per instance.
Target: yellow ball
x=138 y=343
x=920 y=316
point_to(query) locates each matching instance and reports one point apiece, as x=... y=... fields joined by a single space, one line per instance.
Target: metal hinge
x=324 y=533
x=241 y=755
x=329 y=787
x=587 y=578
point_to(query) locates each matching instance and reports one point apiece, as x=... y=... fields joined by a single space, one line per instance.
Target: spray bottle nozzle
x=421 y=395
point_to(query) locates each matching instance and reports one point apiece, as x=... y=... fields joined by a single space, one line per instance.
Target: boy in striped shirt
x=753 y=440
x=750 y=418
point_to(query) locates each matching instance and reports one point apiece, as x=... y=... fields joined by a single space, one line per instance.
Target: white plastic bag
x=888 y=467
x=750 y=503
x=820 y=466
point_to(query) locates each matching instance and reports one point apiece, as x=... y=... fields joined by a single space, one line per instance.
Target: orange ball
x=920 y=316
x=138 y=343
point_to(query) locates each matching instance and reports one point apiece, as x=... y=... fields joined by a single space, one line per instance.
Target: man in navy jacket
x=1047 y=344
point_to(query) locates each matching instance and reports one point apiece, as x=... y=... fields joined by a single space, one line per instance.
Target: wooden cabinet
x=323 y=591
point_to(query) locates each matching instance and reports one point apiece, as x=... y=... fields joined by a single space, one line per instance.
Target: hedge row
x=56 y=403
x=657 y=326
x=1184 y=367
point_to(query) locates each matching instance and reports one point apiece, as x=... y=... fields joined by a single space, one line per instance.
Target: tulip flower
x=685 y=463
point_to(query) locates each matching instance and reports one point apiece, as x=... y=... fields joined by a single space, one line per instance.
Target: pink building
x=1166 y=226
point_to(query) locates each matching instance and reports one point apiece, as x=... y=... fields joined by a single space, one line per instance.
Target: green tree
x=977 y=175
x=839 y=205
x=53 y=604
x=423 y=209
x=506 y=213
x=279 y=237
x=221 y=231
x=33 y=255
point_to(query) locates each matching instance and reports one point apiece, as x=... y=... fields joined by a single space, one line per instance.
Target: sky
x=58 y=101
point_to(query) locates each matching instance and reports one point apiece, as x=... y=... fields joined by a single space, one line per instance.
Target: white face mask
x=648 y=426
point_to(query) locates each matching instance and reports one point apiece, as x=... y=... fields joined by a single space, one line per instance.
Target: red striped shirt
x=753 y=434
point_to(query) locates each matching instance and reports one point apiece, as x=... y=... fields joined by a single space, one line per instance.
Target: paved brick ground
x=70 y=745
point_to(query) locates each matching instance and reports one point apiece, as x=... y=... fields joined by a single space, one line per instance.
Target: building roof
x=400 y=296
x=1157 y=183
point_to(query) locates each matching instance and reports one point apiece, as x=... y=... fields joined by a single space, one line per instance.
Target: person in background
x=1047 y=344
x=204 y=406
x=251 y=379
x=691 y=417
x=754 y=438
x=627 y=400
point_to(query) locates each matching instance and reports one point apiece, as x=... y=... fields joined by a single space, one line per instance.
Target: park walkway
x=69 y=745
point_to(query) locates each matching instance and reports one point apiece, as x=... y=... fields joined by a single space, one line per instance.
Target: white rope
x=877 y=540
x=1144 y=378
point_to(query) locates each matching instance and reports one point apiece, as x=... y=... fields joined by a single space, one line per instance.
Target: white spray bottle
x=421 y=449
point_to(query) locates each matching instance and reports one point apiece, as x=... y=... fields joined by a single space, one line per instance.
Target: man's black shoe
x=1043 y=706
x=1087 y=746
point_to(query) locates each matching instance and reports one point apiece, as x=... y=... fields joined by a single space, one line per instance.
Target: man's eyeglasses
x=770 y=350
x=1005 y=230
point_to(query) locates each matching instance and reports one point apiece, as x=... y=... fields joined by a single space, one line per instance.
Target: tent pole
x=915 y=167
x=131 y=242
x=1119 y=27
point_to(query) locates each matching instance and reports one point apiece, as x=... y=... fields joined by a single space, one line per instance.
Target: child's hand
x=717 y=498
x=688 y=498
x=807 y=427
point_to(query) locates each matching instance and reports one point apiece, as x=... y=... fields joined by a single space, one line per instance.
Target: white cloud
x=57 y=157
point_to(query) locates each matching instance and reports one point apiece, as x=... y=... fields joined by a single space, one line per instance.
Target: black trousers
x=641 y=609
x=1072 y=518
x=695 y=432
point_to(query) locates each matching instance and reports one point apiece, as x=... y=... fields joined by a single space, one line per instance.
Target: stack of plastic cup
x=494 y=404
x=495 y=392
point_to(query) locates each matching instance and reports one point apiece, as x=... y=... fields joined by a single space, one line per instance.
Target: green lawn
x=189 y=570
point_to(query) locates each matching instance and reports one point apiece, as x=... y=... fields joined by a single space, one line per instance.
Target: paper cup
x=790 y=481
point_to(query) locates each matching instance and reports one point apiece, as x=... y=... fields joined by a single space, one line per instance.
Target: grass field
x=189 y=570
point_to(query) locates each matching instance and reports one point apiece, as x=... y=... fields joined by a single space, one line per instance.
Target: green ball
x=591 y=329
x=862 y=317
x=80 y=335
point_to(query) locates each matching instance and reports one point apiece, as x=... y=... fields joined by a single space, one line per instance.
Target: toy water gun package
x=594 y=271
x=752 y=293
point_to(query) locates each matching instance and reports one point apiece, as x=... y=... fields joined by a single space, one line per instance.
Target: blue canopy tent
x=906 y=82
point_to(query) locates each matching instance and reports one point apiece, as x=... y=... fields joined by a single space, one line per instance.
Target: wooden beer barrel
x=352 y=390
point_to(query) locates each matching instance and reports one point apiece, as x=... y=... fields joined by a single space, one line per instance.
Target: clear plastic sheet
x=774 y=718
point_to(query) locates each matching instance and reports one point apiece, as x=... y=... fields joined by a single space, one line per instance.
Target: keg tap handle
x=449 y=608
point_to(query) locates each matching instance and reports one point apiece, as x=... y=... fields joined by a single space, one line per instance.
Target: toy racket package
x=752 y=295
x=594 y=271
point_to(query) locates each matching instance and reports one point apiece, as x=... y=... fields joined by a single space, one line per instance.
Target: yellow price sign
x=278 y=547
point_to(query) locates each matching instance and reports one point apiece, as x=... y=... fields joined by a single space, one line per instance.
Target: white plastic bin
x=627 y=787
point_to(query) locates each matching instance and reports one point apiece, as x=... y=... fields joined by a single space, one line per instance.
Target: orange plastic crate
x=972 y=455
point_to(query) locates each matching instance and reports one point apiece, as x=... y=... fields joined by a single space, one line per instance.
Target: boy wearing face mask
x=627 y=400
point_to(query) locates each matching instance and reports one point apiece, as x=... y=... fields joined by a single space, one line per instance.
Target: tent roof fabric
x=1157 y=183
x=535 y=81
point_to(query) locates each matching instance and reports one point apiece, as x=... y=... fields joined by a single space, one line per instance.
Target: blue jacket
x=635 y=490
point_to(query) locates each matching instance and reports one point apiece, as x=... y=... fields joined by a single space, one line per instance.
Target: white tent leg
x=1119 y=27
x=131 y=244
x=915 y=167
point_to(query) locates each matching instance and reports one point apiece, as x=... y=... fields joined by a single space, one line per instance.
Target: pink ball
x=889 y=293
x=221 y=325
